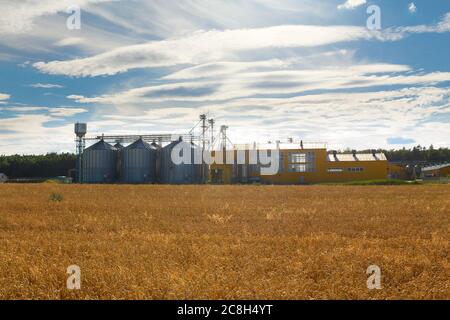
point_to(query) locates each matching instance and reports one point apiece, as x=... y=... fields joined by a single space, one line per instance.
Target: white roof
x=357 y=157
x=437 y=167
x=282 y=146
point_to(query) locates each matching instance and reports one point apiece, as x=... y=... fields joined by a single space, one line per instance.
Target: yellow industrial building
x=299 y=165
x=397 y=171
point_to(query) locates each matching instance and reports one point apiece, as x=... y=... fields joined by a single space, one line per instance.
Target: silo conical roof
x=101 y=145
x=172 y=144
x=139 y=144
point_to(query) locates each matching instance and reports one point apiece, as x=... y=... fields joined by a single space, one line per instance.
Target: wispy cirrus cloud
x=209 y=46
x=442 y=26
x=50 y=111
x=220 y=85
x=72 y=41
x=46 y=86
x=202 y=47
x=351 y=4
x=39 y=26
x=19 y=16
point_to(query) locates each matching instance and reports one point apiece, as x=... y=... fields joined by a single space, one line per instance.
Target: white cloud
x=28 y=130
x=209 y=46
x=65 y=112
x=174 y=18
x=75 y=97
x=412 y=7
x=19 y=16
x=46 y=85
x=441 y=27
x=70 y=42
x=444 y=24
x=47 y=111
x=40 y=25
x=223 y=86
x=33 y=26
x=351 y=4
x=4 y=96
x=28 y=134
x=23 y=109
x=23 y=123
x=202 y=47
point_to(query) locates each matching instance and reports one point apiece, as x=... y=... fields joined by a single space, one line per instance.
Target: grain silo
x=138 y=163
x=99 y=163
x=185 y=173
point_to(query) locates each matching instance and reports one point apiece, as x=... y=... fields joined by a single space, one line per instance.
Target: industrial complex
x=147 y=159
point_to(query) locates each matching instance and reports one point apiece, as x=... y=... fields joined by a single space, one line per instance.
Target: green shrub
x=56 y=197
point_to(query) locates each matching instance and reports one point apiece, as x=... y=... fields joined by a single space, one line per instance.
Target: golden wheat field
x=224 y=242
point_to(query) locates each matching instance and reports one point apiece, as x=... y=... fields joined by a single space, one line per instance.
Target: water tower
x=80 y=132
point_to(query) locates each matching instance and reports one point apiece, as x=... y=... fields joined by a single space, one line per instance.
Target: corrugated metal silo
x=99 y=163
x=138 y=163
x=178 y=174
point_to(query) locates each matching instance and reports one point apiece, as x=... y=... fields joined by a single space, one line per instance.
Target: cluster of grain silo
x=148 y=159
x=137 y=163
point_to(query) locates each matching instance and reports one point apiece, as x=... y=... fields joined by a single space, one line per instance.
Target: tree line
x=37 y=166
x=53 y=164
x=416 y=154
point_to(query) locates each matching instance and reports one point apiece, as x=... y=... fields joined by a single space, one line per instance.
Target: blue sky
x=269 y=69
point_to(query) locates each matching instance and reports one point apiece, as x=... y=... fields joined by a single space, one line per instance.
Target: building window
x=295 y=157
x=307 y=167
x=281 y=163
x=335 y=170
x=301 y=162
x=297 y=168
x=356 y=169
